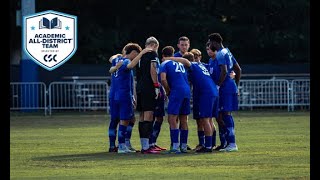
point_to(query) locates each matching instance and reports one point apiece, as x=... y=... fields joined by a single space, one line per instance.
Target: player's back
x=112 y=85
x=177 y=77
x=201 y=80
x=144 y=79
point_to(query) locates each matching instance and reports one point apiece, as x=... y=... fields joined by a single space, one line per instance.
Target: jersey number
x=179 y=67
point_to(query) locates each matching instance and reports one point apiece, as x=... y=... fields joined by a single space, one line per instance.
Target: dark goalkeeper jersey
x=144 y=80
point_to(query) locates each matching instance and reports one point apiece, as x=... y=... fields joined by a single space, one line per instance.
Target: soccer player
x=207 y=97
x=123 y=91
x=183 y=46
x=158 y=114
x=222 y=65
x=148 y=91
x=174 y=80
x=200 y=129
x=114 y=121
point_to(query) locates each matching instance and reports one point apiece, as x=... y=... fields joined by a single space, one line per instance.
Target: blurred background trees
x=257 y=32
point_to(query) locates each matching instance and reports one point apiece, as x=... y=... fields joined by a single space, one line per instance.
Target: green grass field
x=272 y=145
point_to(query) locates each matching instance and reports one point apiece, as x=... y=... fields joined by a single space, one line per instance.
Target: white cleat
x=229 y=148
x=122 y=151
x=125 y=150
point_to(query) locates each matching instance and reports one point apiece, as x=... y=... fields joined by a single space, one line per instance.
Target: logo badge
x=50 y=38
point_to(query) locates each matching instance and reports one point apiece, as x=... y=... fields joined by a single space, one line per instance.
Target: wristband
x=156 y=85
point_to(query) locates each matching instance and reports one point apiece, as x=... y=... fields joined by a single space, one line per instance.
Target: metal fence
x=84 y=95
x=264 y=93
x=300 y=94
x=79 y=95
x=28 y=96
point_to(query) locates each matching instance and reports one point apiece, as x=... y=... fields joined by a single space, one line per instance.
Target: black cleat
x=199 y=146
x=204 y=150
x=113 y=149
x=217 y=148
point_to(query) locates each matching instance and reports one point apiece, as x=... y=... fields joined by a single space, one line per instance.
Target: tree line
x=257 y=32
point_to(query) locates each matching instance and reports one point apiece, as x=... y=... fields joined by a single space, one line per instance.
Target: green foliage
x=272 y=145
x=264 y=31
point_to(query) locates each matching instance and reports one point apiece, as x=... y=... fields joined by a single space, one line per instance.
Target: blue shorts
x=207 y=106
x=124 y=109
x=178 y=105
x=228 y=102
x=215 y=109
x=114 y=112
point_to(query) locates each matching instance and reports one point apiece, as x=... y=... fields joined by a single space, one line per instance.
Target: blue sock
x=155 y=132
x=208 y=142
x=201 y=137
x=129 y=133
x=229 y=123
x=121 y=134
x=112 y=133
x=184 y=136
x=214 y=135
x=174 y=135
x=222 y=136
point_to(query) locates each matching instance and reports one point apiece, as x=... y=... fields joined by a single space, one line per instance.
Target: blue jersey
x=201 y=80
x=176 y=77
x=223 y=57
x=123 y=82
x=112 y=89
x=177 y=54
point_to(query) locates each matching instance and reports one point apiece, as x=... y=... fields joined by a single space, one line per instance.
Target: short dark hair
x=183 y=38
x=189 y=56
x=209 y=44
x=167 y=51
x=132 y=47
x=215 y=37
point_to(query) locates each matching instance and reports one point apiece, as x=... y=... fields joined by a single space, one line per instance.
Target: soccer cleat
x=155 y=148
x=125 y=150
x=113 y=149
x=184 y=150
x=204 y=150
x=174 y=151
x=229 y=149
x=161 y=148
x=122 y=151
x=149 y=151
x=217 y=148
x=199 y=146
x=188 y=147
x=132 y=149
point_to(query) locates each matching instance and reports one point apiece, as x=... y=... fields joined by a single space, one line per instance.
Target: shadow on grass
x=104 y=156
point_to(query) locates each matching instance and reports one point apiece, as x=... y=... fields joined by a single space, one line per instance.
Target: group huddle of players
x=174 y=79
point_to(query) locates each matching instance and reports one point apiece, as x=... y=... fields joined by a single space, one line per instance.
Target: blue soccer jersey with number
x=123 y=81
x=223 y=57
x=179 y=98
x=112 y=89
x=228 y=98
x=123 y=91
x=205 y=93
